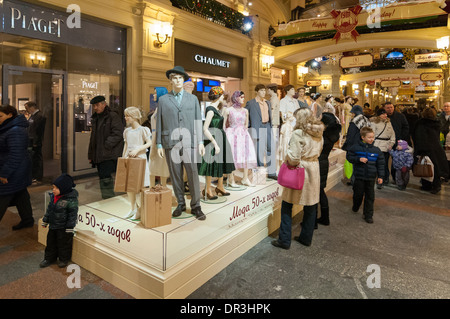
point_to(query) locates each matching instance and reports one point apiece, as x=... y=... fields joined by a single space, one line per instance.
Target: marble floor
x=404 y=254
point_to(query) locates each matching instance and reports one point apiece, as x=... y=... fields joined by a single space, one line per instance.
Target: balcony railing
x=213 y=11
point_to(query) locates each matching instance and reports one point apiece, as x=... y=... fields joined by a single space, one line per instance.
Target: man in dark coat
x=36 y=136
x=401 y=129
x=106 y=144
x=15 y=166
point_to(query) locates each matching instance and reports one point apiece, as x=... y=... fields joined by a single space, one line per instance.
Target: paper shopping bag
x=130 y=174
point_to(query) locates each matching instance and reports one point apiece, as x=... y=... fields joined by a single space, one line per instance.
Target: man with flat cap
x=179 y=138
x=106 y=143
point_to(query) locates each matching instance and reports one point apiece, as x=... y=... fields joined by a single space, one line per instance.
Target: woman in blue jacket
x=15 y=166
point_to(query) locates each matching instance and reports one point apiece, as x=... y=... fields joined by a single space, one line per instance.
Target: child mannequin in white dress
x=137 y=140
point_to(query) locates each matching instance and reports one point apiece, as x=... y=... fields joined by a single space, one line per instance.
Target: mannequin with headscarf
x=242 y=147
x=158 y=166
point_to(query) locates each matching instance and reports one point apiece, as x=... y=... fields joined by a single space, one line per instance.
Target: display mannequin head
x=132 y=116
x=177 y=81
x=272 y=89
x=216 y=95
x=301 y=92
x=189 y=86
x=260 y=91
x=237 y=99
x=159 y=91
x=290 y=90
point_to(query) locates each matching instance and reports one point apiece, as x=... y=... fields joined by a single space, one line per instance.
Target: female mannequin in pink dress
x=242 y=147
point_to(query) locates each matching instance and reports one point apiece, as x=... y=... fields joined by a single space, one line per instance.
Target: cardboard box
x=156 y=206
x=130 y=174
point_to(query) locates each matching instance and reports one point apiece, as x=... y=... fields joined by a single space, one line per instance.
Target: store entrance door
x=46 y=88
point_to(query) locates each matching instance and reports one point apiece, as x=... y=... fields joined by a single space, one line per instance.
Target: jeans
x=309 y=220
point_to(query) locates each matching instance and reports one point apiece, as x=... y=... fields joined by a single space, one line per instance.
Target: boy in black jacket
x=61 y=214
x=368 y=163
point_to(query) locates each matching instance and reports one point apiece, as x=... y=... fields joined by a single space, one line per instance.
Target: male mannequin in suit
x=36 y=137
x=179 y=137
x=260 y=124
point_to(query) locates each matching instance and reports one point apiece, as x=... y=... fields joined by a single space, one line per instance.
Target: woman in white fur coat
x=304 y=149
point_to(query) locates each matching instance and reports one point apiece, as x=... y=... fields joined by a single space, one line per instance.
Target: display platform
x=174 y=260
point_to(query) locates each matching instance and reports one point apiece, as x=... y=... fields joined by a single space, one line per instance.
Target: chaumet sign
x=211 y=61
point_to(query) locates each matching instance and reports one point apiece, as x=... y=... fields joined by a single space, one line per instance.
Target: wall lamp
x=302 y=71
x=443 y=46
x=325 y=84
x=36 y=59
x=162 y=30
x=268 y=61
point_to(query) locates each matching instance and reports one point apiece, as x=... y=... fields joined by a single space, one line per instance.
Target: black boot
x=324 y=216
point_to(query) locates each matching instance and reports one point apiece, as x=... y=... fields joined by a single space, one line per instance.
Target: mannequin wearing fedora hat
x=179 y=138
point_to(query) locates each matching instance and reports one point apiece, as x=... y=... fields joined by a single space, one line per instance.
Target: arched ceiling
x=418 y=38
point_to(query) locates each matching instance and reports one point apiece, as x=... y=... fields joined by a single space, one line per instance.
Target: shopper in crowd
x=358 y=121
x=331 y=135
x=402 y=160
x=384 y=139
x=368 y=112
x=36 y=136
x=426 y=143
x=61 y=215
x=401 y=129
x=15 y=166
x=304 y=150
x=368 y=163
x=106 y=144
x=444 y=119
x=412 y=115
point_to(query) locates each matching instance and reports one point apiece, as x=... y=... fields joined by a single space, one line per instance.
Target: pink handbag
x=291 y=176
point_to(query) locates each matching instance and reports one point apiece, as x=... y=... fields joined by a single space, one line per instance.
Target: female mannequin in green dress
x=218 y=160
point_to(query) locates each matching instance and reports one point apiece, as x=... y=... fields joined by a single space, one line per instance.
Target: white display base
x=174 y=260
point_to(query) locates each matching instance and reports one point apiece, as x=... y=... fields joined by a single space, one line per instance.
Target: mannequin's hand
x=133 y=153
x=216 y=149
x=161 y=152
x=201 y=149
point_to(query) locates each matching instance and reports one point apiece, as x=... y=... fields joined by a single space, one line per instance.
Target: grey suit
x=261 y=134
x=179 y=131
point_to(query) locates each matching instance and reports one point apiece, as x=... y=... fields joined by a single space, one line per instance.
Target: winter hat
x=381 y=111
x=357 y=110
x=403 y=144
x=64 y=183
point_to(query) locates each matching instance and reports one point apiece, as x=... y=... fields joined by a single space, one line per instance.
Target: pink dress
x=244 y=154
